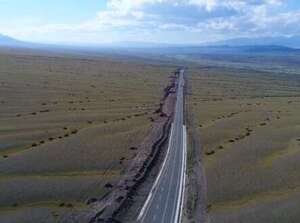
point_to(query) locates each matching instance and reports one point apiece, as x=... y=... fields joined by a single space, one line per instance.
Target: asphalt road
x=164 y=203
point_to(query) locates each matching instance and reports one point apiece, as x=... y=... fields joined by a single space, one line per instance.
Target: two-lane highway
x=165 y=200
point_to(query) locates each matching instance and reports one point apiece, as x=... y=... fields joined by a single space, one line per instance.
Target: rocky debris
x=209 y=153
x=105 y=209
x=91 y=200
x=133 y=148
x=108 y=185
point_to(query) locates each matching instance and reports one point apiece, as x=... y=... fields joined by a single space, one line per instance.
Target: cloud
x=179 y=21
x=194 y=15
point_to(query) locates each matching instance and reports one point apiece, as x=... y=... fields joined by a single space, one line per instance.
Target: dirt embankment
x=105 y=209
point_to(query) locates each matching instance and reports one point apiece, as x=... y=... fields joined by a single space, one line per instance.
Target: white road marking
x=179 y=128
x=177 y=212
x=157 y=179
x=168 y=193
x=181 y=190
x=184 y=174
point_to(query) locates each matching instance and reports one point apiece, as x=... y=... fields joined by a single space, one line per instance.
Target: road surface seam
x=184 y=173
x=165 y=202
x=157 y=179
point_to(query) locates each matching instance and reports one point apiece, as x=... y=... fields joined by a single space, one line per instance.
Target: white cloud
x=177 y=20
x=211 y=15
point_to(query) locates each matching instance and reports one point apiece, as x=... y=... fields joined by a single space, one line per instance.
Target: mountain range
x=9 y=41
x=265 y=44
x=292 y=42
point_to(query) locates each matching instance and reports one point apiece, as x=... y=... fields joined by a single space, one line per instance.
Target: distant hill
x=292 y=42
x=249 y=49
x=8 y=41
x=268 y=48
x=220 y=50
x=280 y=45
x=129 y=44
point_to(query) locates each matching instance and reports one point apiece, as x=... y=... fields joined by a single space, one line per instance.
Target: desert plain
x=69 y=126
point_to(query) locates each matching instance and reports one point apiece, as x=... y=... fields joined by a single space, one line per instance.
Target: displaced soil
x=108 y=209
x=70 y=126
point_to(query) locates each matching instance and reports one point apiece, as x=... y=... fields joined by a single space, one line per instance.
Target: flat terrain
x=249 y=125
x=69 y=126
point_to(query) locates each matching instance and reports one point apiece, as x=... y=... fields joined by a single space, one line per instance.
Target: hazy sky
x=171 y=21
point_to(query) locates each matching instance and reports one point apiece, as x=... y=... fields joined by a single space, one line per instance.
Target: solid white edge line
x=184 y=174
x=182 y=179
x=157 y=179
x=179 y=197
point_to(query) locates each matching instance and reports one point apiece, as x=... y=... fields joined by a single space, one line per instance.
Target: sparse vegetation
x=254 y=114
x=83 y=150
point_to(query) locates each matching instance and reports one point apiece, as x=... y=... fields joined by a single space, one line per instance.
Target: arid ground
x=71 y=123
x=249 y=124
x=69 y=126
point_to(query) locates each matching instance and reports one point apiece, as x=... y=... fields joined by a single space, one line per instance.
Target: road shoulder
x=195 y=208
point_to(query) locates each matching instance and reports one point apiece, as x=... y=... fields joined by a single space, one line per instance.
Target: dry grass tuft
x=90 y=111
x=255 y=116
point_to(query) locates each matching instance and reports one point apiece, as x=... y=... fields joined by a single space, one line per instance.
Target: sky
x=163 y=21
